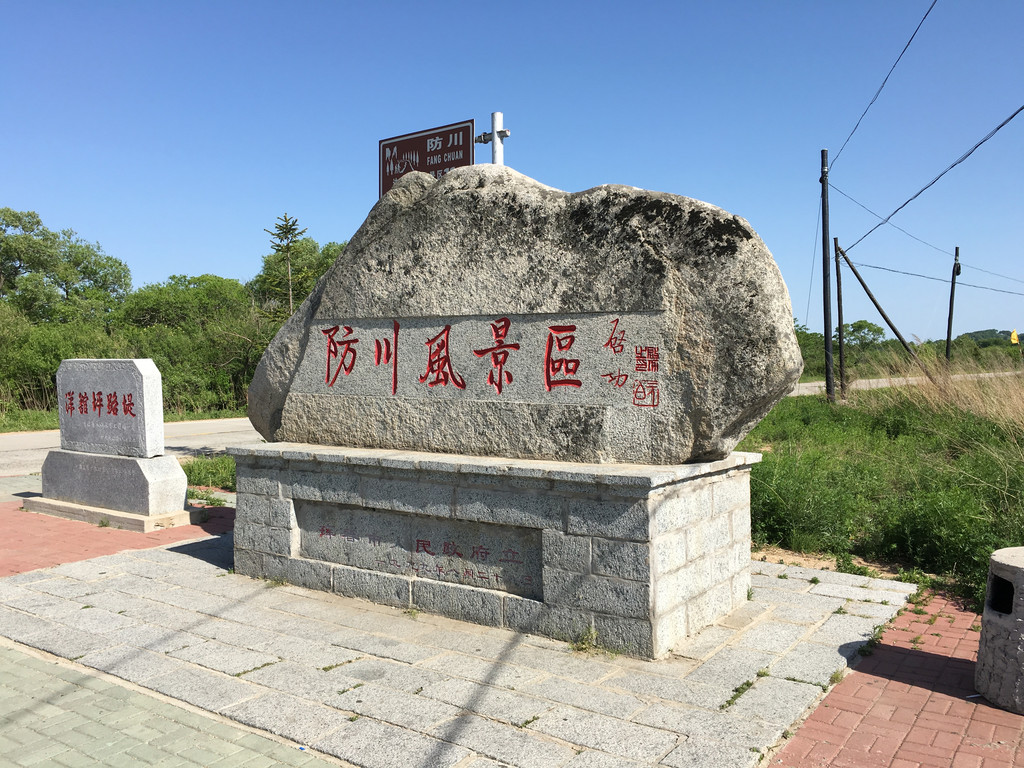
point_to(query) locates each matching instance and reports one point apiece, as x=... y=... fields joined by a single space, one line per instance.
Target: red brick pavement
x=29 y=540
x=907 y=705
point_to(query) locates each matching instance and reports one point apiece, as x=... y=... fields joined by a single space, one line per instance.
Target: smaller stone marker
x=111 y=466
x=111 y=407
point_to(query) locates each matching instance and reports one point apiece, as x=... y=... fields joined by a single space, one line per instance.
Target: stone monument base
x=126 y=491
x=632 y=557
x=126 y=521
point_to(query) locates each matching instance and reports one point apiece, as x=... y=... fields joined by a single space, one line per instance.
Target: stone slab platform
x=127 y=521
x=376 y=685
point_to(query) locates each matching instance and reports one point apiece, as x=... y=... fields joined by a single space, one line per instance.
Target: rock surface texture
x=487 y=314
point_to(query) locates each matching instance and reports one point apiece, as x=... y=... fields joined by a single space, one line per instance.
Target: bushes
x=906 y=475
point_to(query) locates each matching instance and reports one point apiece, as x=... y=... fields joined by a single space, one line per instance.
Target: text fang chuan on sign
x=435 y=151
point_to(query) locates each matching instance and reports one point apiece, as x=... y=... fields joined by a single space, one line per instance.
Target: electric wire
x=875 y=97
x=950 y=167
x=924 y=242
x=936 y=279
x=814 y=253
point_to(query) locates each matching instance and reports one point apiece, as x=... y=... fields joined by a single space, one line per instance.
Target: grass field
x=928 y=477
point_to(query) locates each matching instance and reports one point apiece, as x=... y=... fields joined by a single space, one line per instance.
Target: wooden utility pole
x=839 y=307
x=892 y=327
x=826 y=281
x=952 y=293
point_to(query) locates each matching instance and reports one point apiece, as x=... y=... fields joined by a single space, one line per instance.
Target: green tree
x=285 y=233
x=56 y=276
x=862 y=334
x=309 y=262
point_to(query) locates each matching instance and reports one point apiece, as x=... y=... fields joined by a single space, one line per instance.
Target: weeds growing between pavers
x=904 y=475
x=211 y=472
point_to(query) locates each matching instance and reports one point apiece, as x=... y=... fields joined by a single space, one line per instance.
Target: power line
x=925 y=242
x=814 y=254
x=875 y=97
x=950 y=167
x=938 y=279
x=878 y=216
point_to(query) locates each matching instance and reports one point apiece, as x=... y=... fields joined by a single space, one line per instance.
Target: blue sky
x=174 y=133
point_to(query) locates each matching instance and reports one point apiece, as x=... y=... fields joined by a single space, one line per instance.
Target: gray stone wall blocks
x=627 y=519
x=455 y=601
x=247 y=562
x=521 y=509
x=281 y=513
x=412 y=496
x=680 y=507
x=383 y=588
x=622 y=559
x=703 y=610
x=630 y=636
x=251 y=510
x=707 y=536
x=311 y=574
x=616 y=597
x=536 y=618
x=570 y=553
x=668 y=552
x=644 y=556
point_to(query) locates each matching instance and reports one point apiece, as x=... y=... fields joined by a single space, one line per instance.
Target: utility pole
x=839 y=307
x=496 y=138
x=952 y=293
x=826 y=281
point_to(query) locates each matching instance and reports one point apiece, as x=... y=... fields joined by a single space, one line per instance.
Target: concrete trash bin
x=999 y=673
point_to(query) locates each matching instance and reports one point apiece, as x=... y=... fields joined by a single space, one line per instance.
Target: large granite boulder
x=485 y=313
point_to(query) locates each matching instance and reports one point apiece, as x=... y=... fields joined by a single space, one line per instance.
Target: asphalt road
x=22 y=453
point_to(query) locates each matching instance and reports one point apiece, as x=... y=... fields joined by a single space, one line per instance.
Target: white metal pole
x=497 y=141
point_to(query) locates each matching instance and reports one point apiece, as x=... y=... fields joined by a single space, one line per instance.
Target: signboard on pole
x=435 y=151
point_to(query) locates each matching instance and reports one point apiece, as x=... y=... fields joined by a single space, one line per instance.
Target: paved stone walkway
x=373 y=686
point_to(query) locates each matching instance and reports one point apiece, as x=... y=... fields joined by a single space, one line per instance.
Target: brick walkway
x=911 y=703
x=32 y=541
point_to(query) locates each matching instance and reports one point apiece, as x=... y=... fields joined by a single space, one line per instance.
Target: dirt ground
x=821 y=562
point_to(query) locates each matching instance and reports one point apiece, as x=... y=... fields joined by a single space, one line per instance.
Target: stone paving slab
x=376 y=686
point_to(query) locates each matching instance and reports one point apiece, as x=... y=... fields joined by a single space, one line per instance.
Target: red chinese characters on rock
x=617 y=340
x=102 y=404
x=646 y=359
x=439 y=363
x=343 y=350
x=558 y=370
x=646 y=394
x=385 y=351
x=497 y=377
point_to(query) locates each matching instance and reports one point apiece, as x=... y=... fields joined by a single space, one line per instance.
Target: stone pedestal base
x=999 y=673
x=634 y=557
x=92 y=487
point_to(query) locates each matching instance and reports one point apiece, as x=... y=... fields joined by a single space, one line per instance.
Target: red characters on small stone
x=497 y=377
x=558 y=370
x=128 y=405
x=343 y=350
x=439 y=363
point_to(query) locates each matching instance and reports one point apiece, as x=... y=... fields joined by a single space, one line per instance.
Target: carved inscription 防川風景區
x=606 y=359
x=500 y=557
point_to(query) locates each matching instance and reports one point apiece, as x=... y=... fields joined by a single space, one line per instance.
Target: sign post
x=435 y=151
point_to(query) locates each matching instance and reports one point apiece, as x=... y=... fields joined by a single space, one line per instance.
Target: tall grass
x=928 y=476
